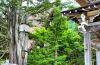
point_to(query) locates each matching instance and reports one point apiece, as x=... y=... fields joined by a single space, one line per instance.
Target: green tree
x=4 y=40
x=56 y=44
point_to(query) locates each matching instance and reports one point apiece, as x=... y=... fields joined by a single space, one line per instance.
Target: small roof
x=90 y=10
x=85 y=8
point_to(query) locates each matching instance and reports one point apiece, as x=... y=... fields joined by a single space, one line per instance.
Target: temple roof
x=90 y=10
x=85 y=8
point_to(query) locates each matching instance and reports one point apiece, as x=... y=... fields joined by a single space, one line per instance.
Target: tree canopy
x=56 y=44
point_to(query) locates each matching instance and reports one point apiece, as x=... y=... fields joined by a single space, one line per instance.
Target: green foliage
x=30 y=24
x=40 y=8
x=4 y=39
x=58 y=36
x=1 y=61
x=40 y=56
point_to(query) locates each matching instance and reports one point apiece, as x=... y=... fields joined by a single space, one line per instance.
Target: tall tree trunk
x=56 y=55
x=18 y=40
x=12 y=26
x=56 y=52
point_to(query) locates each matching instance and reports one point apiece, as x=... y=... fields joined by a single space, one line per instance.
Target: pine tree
x=55 y=44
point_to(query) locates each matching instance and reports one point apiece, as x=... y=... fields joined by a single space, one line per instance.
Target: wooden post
x=97 y=56
x=23 y=43
x=87 y=49
x=97 y=42
x=96 y=45
x=12 y=26
x=87 y=42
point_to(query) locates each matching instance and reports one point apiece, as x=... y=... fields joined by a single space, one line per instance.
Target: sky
x=35 y=1
x=51 y=1
x=74 y=2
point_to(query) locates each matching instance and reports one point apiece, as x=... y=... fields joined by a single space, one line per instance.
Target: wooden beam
x=93 y=13
x=93 y=27
x=94 y=23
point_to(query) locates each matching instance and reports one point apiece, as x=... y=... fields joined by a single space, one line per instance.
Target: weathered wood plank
x=93 y=13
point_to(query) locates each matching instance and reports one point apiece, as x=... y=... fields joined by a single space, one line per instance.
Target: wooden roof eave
x=89 y=14
x=78 y=11
x=85 y=8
